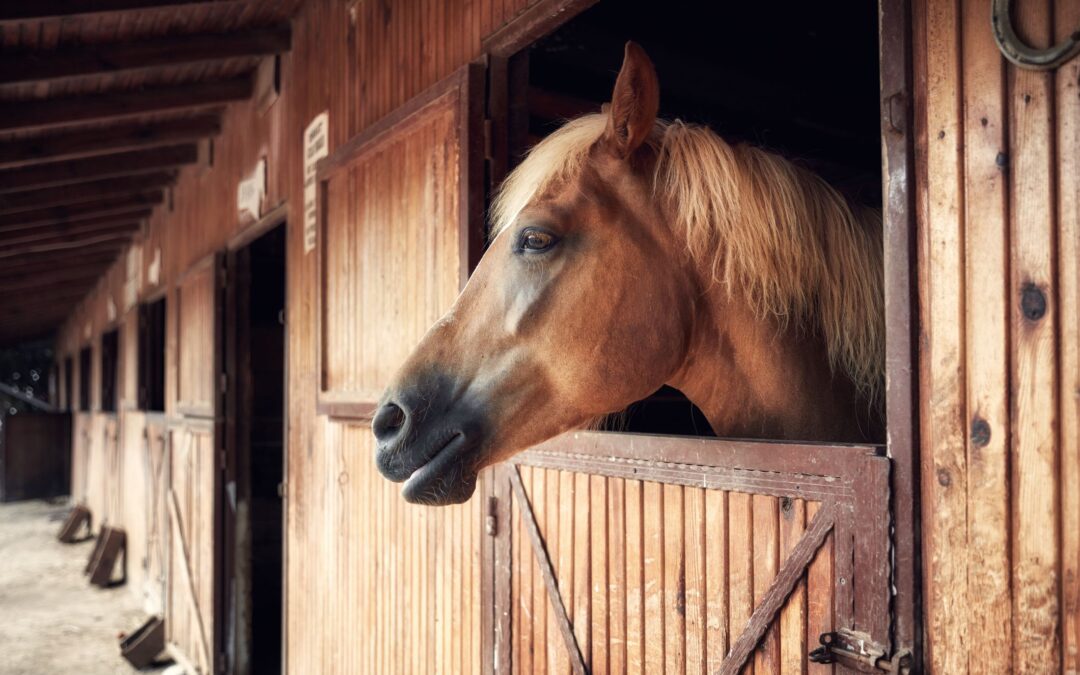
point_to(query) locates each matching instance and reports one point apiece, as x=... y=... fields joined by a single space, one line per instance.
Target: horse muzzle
x=429 y=441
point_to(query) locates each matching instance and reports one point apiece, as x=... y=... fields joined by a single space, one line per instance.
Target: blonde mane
x=763 y=226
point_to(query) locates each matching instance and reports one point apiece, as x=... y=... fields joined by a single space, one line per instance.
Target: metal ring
x=1022 y=54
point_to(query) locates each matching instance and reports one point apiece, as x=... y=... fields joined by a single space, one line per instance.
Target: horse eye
x=536 y=240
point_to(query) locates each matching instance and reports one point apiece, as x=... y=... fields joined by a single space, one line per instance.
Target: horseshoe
x=1022 y=54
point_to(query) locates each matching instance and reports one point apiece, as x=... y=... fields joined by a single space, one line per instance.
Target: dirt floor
x=51 y=619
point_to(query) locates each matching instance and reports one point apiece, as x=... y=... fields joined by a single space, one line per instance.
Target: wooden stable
x=151 y=174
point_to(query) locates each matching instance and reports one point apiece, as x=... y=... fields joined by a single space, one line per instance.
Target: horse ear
x=634 y=103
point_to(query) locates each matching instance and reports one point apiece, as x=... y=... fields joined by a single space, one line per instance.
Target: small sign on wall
x=316 y=146
x=250 y=191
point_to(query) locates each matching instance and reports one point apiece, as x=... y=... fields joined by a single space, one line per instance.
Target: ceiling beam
x=66 y=233
x=52 y=9
x=106 y=239
x=94 y=168
x=43 y=284
x=111 y=207
x=100 y=59
x=85 y=192
x=74 y=264
x=116 y=138
x=51 y=112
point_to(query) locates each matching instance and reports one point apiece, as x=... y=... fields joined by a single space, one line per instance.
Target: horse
x=628 y=252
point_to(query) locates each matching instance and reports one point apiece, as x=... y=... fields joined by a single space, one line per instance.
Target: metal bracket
x=857 y=651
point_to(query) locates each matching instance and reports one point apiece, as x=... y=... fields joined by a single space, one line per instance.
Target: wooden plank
x=14 y=233
x=986 y=302
x=740 y=565
x=167 y=50
x=564 y=568
x=1067 y=118
x=653 y=575
x=113 y=138
x=598 y=566
x=616 y=588
x=674 y=580
x=819 y=595
x=86 y=211
x=582 y=616
x=52 y=246
x=941 y=289
x=94 y=168
x=68 y=233
x=130 y=186
x=541 y=621
x=635 y=581
x=52 y=112
x=793 y=648
x=694 y=524
x=1036 y=519
x=555 y=645
x=716 y=578
x=48 y=9
x=766 y=563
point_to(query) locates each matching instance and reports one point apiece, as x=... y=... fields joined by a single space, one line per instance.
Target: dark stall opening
x=257 y=290
x=152 y=356
x=110 y=352
x=798 y=79
x=84 y=379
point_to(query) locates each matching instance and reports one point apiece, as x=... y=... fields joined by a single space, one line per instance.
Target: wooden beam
x=50 y=112
x=116 y=138
x=126 y=212
x=85 y=192
x=74 y=265
x=60 y=214
x=106 y=221
x=98 y=59
x=38 y=286
x=68 y=233
x=106 y=239
x=94 y=168
x=52 y=9
x=74 y=260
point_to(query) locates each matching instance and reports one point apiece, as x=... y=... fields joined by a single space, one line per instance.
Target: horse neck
x=755 y=378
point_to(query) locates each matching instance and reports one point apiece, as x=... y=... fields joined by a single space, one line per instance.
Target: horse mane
x=763 y=226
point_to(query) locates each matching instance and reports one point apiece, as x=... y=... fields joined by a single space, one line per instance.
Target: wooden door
x=193 y=499
x=641 y=554
x=407 y=587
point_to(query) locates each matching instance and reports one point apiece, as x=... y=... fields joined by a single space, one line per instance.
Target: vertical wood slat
x=635 y=565
x=1035 y=517
x=793 y=618
x=717 y=633
x=1067 y=143
x=941 y=240
x=740 y=566
x=766 y=537
x=986 y=303
x=674 y=580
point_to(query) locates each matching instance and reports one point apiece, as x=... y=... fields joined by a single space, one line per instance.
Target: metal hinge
x=857 y=651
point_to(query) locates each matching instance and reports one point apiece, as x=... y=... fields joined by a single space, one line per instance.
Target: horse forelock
x=756 y=223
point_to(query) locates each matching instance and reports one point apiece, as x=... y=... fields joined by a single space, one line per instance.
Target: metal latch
x=857 y=651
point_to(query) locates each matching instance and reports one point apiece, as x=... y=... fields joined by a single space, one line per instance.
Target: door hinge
x=223 y=383
x=491 y=523
x=857 y=651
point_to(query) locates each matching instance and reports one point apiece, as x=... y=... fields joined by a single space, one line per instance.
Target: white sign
x=250 y=191
x=316 y=146
x=153 y=272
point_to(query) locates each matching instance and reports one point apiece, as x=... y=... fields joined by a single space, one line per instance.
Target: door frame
x=902 y=406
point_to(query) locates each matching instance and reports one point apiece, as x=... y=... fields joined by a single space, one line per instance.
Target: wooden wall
x=998 y=211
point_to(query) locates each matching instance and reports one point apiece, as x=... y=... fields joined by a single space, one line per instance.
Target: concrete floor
x=51 y=619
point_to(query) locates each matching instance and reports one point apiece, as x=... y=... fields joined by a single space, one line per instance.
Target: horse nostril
x=388 y=422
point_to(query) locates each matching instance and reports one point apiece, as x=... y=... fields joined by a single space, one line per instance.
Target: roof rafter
x=51 y=112
x=98 y=59
x=111 y=139
x=94 y=168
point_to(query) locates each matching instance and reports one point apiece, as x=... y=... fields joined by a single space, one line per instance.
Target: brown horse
x=629 y=253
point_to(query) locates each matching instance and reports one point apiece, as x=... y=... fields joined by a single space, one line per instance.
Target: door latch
x=857 y=651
